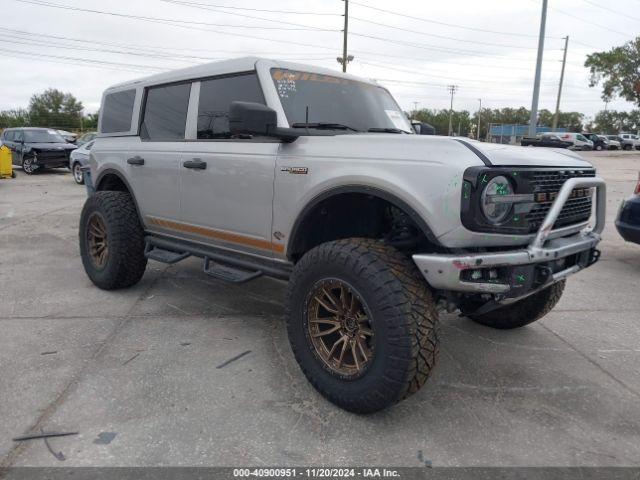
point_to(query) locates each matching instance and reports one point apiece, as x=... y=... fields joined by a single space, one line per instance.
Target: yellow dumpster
x=6 y=169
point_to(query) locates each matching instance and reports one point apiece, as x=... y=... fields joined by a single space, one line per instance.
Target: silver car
x=262 y=167
x=79 y=158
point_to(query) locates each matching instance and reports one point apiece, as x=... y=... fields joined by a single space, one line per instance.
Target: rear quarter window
x=117 y=112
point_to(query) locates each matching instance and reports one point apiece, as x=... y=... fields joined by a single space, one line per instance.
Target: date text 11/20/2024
x=316 y=472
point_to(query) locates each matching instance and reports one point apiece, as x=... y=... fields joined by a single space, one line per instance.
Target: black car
x=545 y=140
x=37 y=148
x=628 y=220
x=598 y=142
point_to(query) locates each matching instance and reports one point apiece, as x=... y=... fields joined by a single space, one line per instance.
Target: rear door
x=226 y=200
x=154 y=157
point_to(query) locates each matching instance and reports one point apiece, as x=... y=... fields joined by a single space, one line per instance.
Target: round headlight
x=494 y=207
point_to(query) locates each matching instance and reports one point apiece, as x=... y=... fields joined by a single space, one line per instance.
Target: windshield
x=42 y=136
x=311 y=98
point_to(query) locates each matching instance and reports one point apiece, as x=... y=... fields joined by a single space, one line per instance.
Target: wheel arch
x=297 y=236
x=111 y=179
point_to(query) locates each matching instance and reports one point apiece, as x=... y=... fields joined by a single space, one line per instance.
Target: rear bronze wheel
x=97 y=240
x=112 y=240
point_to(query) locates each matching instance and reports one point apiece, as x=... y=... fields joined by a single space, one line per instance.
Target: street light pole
x=452 y=90
x=533 y=121
x=479 y=115
x=346 y=32
x=564 y=62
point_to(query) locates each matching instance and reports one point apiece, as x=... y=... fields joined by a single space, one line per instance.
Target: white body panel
x=246 y=191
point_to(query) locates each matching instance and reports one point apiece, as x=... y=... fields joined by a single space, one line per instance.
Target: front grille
x=576 y=210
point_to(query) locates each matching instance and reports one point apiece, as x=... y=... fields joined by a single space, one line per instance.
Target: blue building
x=513 y=133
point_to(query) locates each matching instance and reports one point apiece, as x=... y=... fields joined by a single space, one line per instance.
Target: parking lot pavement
x=141 y=373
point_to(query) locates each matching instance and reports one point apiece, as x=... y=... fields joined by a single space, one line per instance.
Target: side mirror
x=247 y=118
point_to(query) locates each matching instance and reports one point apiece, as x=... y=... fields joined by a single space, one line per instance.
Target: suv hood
x=52 y=146
x=431 y=149
x=513 y=155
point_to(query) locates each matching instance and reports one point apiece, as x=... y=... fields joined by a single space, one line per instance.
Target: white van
x=580 y=142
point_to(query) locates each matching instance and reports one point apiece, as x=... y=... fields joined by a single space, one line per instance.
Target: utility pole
x=533 y=121
x=452 y=89
x=346 y=32
x=564 y=62
x=415 y=108
x=479 y=115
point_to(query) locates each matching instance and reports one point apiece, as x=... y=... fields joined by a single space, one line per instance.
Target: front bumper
x=542 y=262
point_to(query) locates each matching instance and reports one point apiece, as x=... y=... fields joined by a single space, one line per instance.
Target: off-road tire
x=523 y=312
x=405 y=322
x=125 y=260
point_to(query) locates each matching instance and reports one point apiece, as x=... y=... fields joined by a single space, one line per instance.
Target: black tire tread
x=410 y=309
x=126 y=240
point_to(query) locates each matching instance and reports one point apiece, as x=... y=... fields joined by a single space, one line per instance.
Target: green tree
x=618 y=70
x=54 y=108
x=612 y=121
x=14 y=118
x=90 y=121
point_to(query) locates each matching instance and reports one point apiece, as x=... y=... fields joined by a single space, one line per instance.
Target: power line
x=420 y=19
x=589 y=22
x=243 y=15
x=422 y=45
x=172 y=20
x=288 y=12
x=144 y=48
x=171 y=24
x=475 y=42
x=614 y=12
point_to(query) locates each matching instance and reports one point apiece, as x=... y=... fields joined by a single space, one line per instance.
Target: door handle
x=135 y=160
x=195 y=164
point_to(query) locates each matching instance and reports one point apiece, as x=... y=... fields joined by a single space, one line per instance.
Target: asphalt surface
x=135 y=372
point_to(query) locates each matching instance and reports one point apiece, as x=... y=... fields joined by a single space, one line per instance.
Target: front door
x=226 y=184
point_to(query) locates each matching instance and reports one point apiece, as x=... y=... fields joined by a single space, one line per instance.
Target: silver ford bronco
x=262 y=167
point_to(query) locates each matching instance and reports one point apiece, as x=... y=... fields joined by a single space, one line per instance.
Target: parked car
x=87 y=137
x=599 y=143
x=37 y=148
x=612 y=141
x=579 y=141
x=69 y=137
x=546 y=140
x=422 y=128
x=303 y=173
x=78 y=159
x=629 y=141
x=628 y=219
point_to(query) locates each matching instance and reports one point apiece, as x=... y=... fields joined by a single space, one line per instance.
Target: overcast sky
x=415 y=48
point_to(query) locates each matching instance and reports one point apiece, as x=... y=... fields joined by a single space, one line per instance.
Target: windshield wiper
x=385 y=130
x=325 y=126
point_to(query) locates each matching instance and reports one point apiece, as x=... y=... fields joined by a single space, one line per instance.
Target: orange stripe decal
x=217 y=234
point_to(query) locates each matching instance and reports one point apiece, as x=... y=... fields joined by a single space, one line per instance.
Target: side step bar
x=217 y=263
x=230 y=274
x=162 y=255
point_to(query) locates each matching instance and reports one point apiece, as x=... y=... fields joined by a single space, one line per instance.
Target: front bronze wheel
x=362 y=323
x=339 y=328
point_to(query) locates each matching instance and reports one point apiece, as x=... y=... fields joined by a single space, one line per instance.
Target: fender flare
x=363 y=189
x=120 y=175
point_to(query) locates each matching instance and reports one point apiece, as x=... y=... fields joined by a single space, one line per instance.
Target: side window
x=8 y=136
x=88 y=146
x=165 y=112
x=18 y=136
x=117 y=112
x=216 y=96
